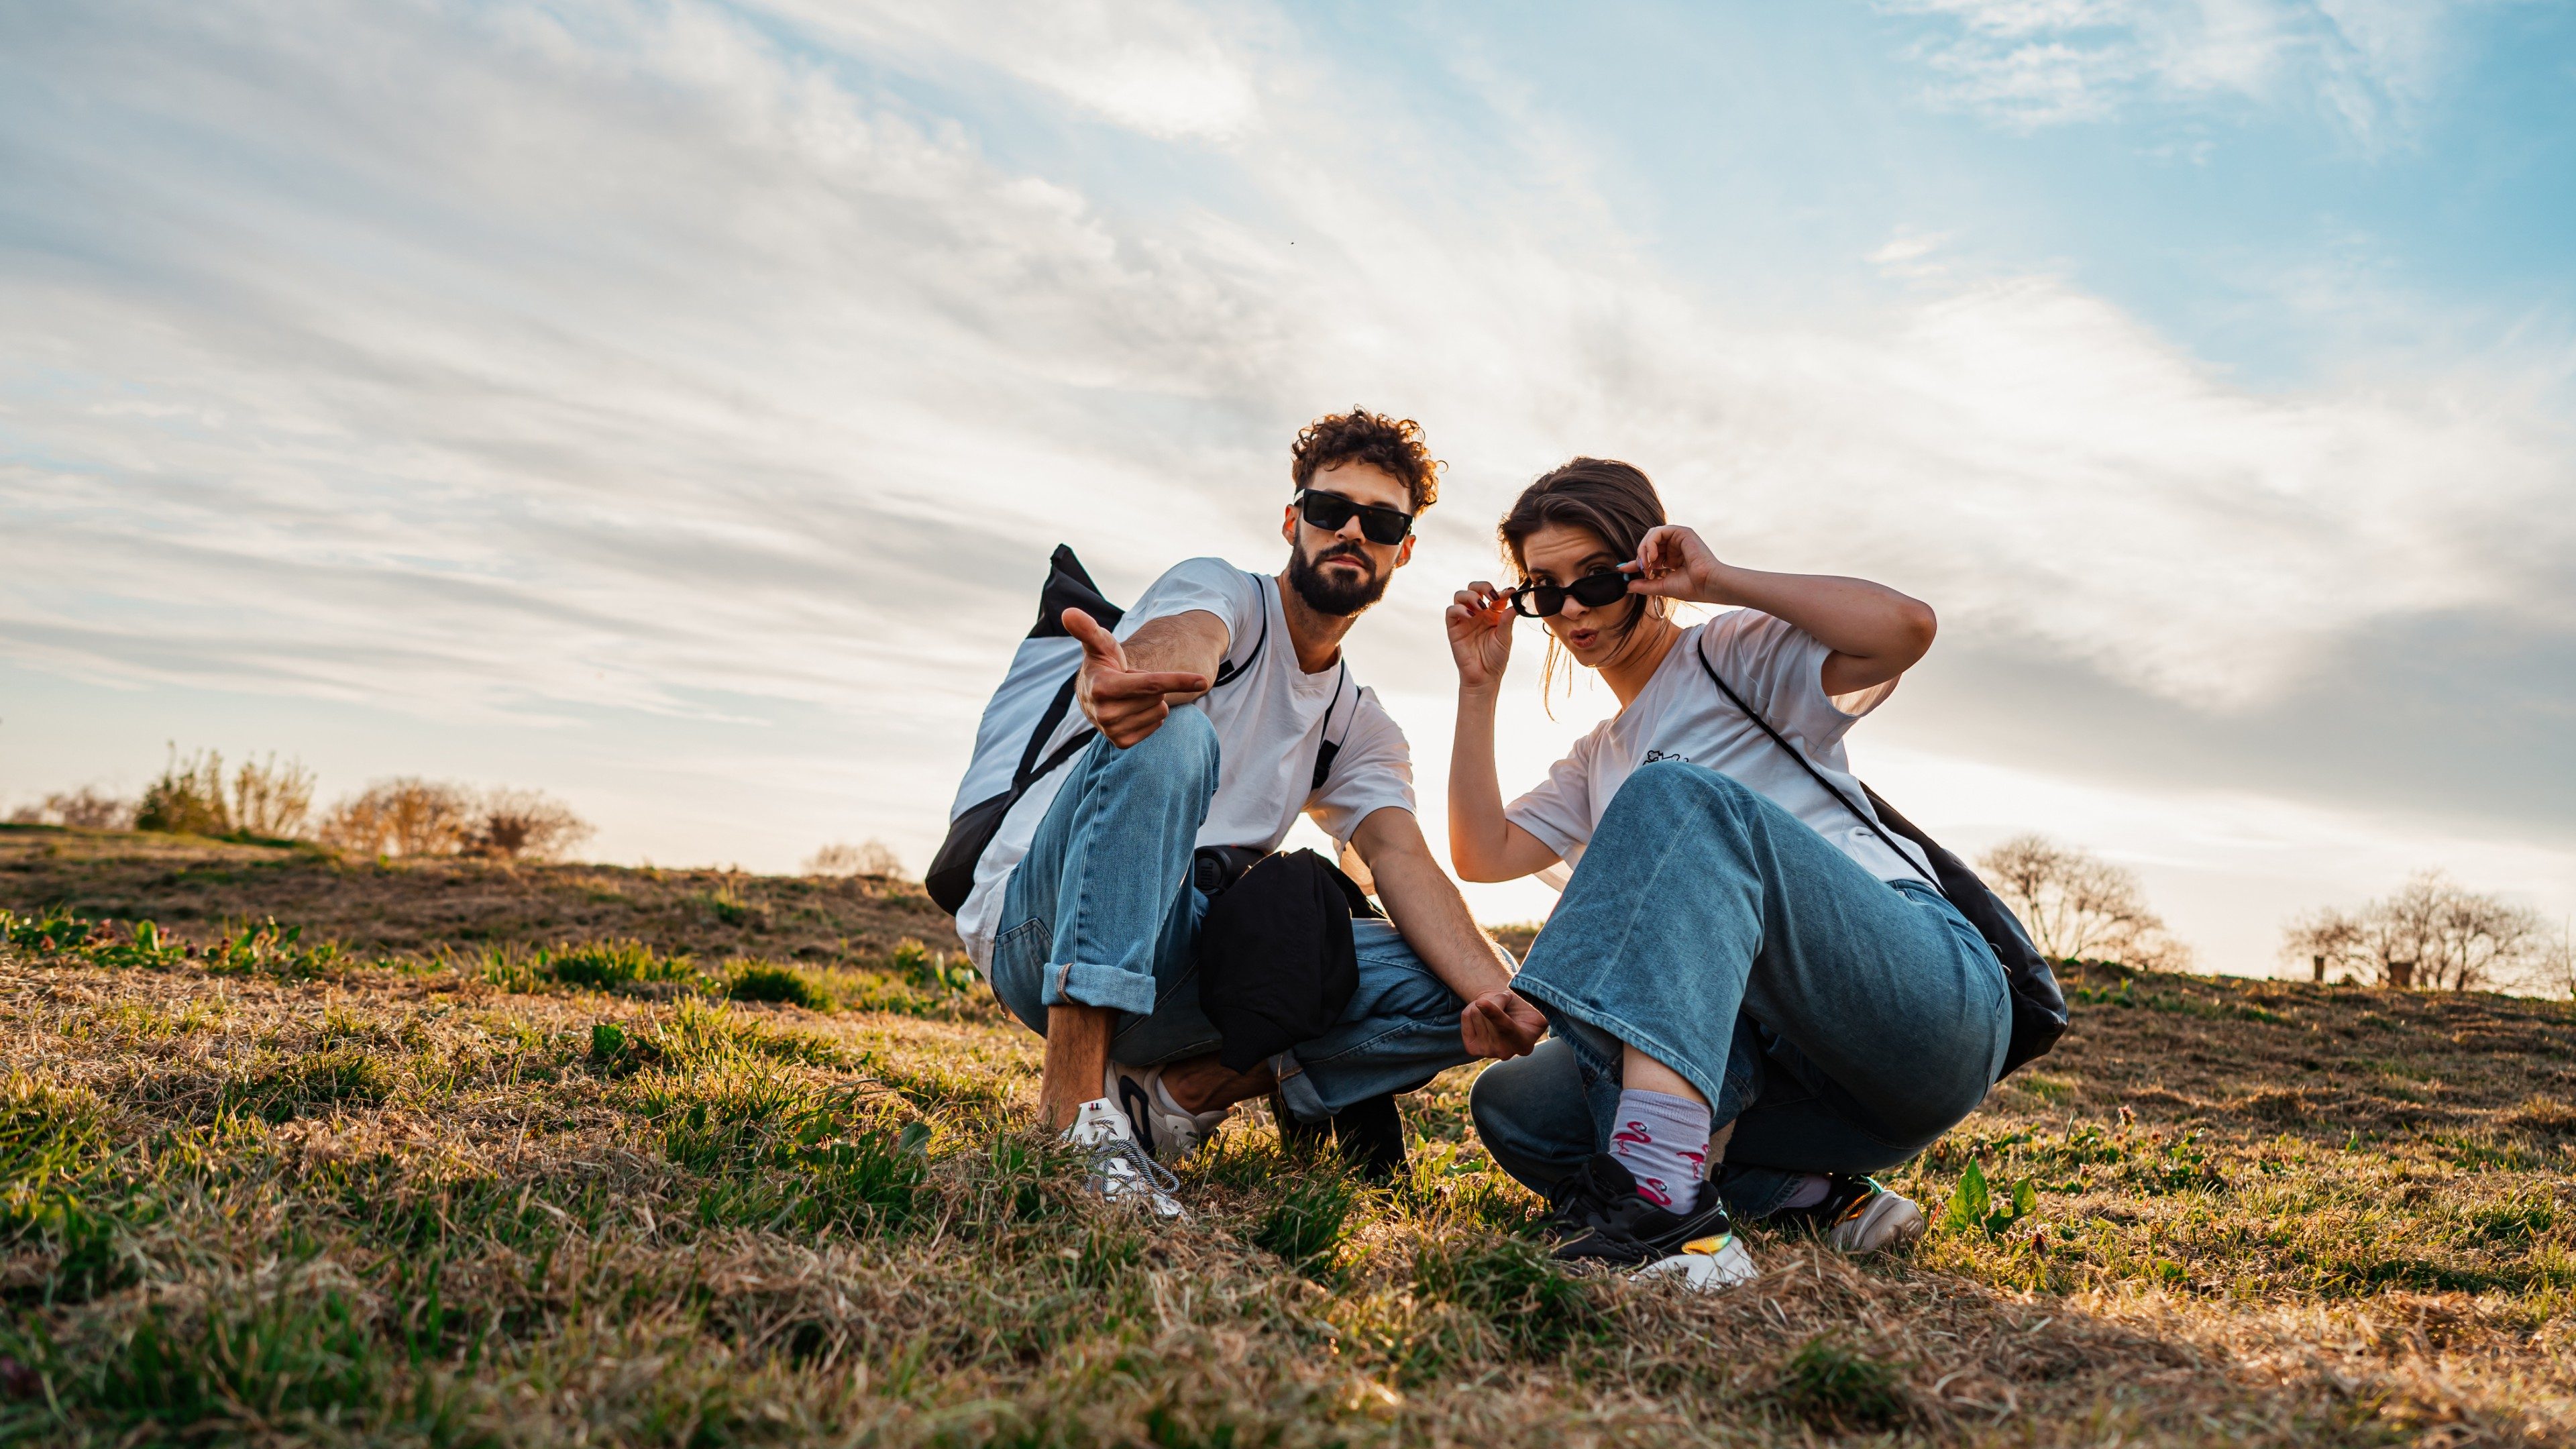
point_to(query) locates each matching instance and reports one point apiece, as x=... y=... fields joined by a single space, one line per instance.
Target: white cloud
x=1154 y=65
x=530 y=365
x=2368 y=64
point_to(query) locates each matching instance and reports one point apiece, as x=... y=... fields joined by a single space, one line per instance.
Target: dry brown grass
x=287 y=1198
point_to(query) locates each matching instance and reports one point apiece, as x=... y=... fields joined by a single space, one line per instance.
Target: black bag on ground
x=1276 y=961
x=2039 y=1014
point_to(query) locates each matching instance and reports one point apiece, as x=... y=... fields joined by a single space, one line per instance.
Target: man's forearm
x=1433 y=918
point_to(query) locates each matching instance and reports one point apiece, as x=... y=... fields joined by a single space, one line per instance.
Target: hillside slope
x=480 y=1176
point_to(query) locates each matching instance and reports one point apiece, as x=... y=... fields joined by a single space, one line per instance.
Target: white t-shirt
x=1779 y=669
x=1270 y=722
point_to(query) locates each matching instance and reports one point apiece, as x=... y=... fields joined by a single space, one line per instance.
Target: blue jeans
x=1101 y=913
x=1841 y=1022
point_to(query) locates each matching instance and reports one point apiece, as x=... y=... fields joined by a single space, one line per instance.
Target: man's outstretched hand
x=1124 y=704
x=1501 y=1024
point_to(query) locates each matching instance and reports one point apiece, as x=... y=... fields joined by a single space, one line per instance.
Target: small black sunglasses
x=1329 y=511
x=1592 y=591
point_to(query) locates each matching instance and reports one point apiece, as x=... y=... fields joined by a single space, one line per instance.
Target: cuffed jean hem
x=1081 y=983
x=1586 y=1025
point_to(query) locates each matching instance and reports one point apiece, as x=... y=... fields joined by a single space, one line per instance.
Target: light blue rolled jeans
x=1101 y=912
x=1841 y=1022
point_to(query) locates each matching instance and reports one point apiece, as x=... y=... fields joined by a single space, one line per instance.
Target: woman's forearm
x=1477 y=829
x=1872 y=623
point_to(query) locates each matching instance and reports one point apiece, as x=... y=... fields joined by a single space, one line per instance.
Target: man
x=1216 y=700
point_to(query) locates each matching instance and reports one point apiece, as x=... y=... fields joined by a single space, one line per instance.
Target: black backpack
x=2038 y=1008
x=976 y=818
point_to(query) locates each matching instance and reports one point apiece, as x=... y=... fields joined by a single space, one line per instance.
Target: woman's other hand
x=1480 y=634
x=1674 y=562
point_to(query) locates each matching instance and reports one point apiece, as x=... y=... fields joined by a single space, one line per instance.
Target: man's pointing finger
x=1156 y=683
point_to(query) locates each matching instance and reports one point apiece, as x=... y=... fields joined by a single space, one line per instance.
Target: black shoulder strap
x=1227 y=671
x=1328 y=746
x=1868 y=821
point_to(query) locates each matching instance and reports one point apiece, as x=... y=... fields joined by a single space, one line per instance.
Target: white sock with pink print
x=1663 y=1142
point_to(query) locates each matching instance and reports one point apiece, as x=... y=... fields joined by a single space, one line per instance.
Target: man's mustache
x=1350 y=551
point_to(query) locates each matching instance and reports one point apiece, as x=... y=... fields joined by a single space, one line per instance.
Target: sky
x=672 y=405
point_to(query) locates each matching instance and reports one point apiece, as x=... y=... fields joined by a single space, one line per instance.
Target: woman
x=1740 y=964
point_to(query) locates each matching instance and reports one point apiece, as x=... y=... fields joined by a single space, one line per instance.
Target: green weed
x=762 y=981
x=1838 y=1389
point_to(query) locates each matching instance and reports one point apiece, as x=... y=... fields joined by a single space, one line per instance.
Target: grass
x=486 y=1156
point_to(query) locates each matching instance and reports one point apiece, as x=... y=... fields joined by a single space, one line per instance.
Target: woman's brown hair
x=1614 y=502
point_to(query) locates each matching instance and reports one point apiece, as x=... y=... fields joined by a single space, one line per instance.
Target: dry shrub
x=402 y=816
x=188 y=798
x=270 y=799
x=522 y=825
x=874 y=858
x=262 y=798
x=84 y=809
x=408 y=816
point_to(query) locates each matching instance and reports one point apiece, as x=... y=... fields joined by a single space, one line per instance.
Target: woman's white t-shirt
x=1270 y=722
x=1779 y=669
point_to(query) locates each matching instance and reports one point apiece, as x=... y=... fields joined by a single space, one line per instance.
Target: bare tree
x=2078 y=905
x=2432 y=934
x=839 y=858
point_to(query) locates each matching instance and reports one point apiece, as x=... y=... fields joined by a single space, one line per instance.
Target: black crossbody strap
x=1327 y=747
x=1227 y=671
x=1868 y=822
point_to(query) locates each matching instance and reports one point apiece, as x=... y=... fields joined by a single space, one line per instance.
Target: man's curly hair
x=1361 y=436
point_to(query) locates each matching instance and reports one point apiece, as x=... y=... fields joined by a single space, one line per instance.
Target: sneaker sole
x=1891 y=1220
x=1705 y=1272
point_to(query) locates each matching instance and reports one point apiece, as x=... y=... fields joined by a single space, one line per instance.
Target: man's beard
x=1326 y=593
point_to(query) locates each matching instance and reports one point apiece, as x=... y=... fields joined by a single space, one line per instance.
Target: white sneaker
x=1707 y=1264
x=1121 y=1172
x=1168 y=1131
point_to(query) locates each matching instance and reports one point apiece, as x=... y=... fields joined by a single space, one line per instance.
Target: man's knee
x=1181 y=752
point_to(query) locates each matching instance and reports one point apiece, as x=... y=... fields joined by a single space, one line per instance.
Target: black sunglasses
x=1329 y=511
x=1592 y=591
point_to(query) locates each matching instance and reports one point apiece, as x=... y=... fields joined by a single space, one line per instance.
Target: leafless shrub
x=188 y=798
x=84 y=808
x=2079 y=906
x=402 y=816
x=2433 y=934
x=270 y=799
x=522 y=825
x=874 y=858
x=408 y=816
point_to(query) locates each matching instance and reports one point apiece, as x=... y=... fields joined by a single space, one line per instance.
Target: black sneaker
x=1600 y=1218
x=1857 y=1216
x=1369 y=1132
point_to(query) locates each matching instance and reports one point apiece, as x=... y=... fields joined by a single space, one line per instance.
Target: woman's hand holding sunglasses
x=1674 y=562
x=1480 y=634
